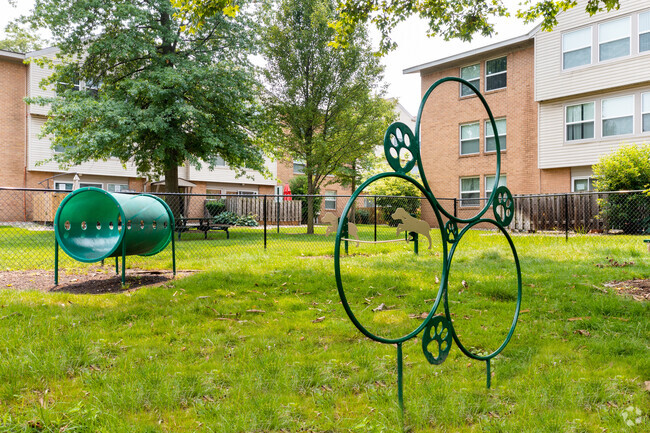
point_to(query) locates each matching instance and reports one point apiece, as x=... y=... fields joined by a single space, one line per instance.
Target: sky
x=414 y=48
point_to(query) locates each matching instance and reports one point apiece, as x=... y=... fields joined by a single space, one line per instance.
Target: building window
x=576 y=48
x=117 y=187
x=330 y=200
x=470 y=191
x=495 y=74
x=618 y=115
x=644 y=32
x=63 y=186
x=490 y=140
x=580 y=121
x=614 y=39
x=582 y=184
x=219 y=162
x=469 y=139
x=473 y=75
x=645 y=112
x=241 y=192
x=489 y=183
x=299 y=167
x=213 y=194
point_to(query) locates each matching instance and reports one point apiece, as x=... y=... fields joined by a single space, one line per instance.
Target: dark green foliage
x=233 y=219
x=394 y=193
x=158 y=97
x=299 y=189
x=20 y=39
x=215 y=207
x=627 y=169
x=362 y=216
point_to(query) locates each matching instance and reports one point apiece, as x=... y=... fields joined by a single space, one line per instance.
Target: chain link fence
x=210 y=227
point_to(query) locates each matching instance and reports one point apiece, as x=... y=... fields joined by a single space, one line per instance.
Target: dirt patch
x=639 y=290
x=92 y=280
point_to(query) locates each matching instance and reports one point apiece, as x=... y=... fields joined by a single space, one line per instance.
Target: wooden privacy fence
x=576 y=211
x=288 y=212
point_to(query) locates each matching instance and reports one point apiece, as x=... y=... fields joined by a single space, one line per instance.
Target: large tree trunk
x=171 y=186
x=310 y=204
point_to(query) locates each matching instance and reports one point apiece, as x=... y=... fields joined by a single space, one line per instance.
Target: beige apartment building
x=561 y=100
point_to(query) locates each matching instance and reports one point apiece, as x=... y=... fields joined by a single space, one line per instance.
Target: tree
x=19 y=39
x=628 y=168
x=459 y=19
x=155 y=95
x=326 y=103
x=395 y=193
x=298 y=185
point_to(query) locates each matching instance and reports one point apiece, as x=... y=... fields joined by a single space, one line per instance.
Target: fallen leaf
x=582 y=332
x=525 y=311
x=320 y=319
x=255 y=311
x=464 y=283
x=381 y=307
x=647 y=385
x=573 y=319
x=183 y=349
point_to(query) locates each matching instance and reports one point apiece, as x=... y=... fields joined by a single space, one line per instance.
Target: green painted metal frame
x=438 y=329
x=122 y=238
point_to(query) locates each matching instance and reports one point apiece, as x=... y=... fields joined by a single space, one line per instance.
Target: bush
x=215 y=207
x=233 y=219
x=298 y=187
x=401 y=194
x=628 y=168
x=362 y=216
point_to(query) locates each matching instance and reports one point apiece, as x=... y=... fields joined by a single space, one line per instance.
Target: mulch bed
x=92 y=280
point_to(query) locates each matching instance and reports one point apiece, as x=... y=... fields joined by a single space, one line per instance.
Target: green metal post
x=400 y=382
x=489 y=374
x=124 y=263
x=117 y=267
x=173 y=255
x=415 y=242
x=345 y=235
x=56 y=262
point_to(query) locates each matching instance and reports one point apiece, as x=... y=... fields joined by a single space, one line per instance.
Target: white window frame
x=642 y=32
x=478 y=79
x=488 y=125
x=647 y=110
x=593 y=120
x=118 y=187
x=299 y=162
x=503 y=181
x=477 y=199
x=279 y=192
x=65 y=184
x=495 y=74
x=220 y=162
x=629 y=37
x=330 y=196
x=246 y=192
x=589 y=180
x=460 y=138
x=591 y=48
x=603 y=118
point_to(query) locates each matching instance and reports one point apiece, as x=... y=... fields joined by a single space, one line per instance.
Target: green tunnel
x=92 y=224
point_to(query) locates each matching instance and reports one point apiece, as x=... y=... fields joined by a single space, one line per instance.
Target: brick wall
x=445 y=111
x=13 y=112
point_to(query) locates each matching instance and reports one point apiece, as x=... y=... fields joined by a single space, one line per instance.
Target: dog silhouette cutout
x=411 y=224
x=332 y=222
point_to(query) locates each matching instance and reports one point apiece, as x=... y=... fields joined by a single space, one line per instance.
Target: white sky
x=414 y=48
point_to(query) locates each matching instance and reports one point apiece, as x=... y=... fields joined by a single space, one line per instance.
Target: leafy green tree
x=20 y=39
x=460 y=19
x=326 y=103
x=628 y=168
x=395 y=193
x=299 y=191
x=155 y=95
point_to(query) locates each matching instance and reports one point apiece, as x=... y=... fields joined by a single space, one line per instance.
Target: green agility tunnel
x=92 y=224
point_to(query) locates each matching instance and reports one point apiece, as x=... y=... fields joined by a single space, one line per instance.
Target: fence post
x=277 y=211
x=455 y=207
x=264 y=221
x=566 y=217
x=375 y=218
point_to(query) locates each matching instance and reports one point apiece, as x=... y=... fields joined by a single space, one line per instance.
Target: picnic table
x=199 y=224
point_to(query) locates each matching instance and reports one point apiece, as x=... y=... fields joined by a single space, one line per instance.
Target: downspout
x=25 y=147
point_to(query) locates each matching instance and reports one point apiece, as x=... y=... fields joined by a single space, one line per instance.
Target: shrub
x=362 y=216
x=233 y=219
x=400 y=194
x=628 y=168
x=215 y=207
x=298 y=187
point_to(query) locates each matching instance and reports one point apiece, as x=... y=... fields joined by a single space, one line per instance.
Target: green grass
x=188 y=357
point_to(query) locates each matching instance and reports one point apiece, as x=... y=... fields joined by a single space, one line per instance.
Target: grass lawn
x=258 y=342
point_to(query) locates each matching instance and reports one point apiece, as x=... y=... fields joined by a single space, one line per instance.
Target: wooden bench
x=200 y=224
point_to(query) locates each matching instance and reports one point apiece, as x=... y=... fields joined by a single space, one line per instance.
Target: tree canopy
x=326 y=103
x=150 y=93
x=20 y=39
x=627 y=168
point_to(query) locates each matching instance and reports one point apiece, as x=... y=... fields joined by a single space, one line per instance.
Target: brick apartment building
x=561 y=100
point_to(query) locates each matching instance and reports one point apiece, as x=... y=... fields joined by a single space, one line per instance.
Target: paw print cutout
x=451 y=230
x=436 y=347
x=504 y=206
x=400 y=147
